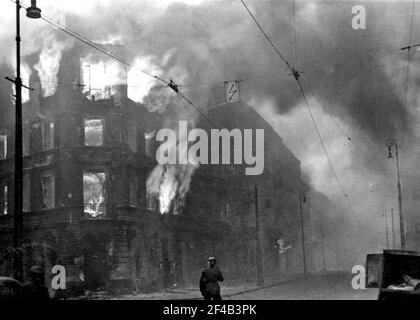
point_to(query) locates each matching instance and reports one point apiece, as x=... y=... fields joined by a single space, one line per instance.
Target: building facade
x=86 y=161
x=88 y=153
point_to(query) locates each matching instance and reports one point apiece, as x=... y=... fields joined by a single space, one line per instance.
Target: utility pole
x=324 y=262
x=385 y=215
x=394 y=246
x=390 y=143
x=34 y=13
x=18 y=219
x=301 y=199
x=260 y=279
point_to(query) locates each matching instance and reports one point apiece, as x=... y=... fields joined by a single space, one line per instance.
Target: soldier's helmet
x=37 y=270
x=37 y=274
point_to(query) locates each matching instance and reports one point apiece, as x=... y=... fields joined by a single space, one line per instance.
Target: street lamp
x=34 y=13
x=391 y=143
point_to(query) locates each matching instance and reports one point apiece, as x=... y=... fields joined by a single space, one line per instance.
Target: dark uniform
x=35 y=292
x=35 y=289
x=210 y=276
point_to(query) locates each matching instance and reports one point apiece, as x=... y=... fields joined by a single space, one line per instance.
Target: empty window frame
x=35 y=139
x=94 y=194
x=3 y=145
x=48 y=191
x=3 y=198
x=94 y=132
x=48 y=136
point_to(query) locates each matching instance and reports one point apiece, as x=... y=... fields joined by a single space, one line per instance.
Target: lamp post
x=393 y=229
x=302 y=199
x=385 y=215
x=391 y=143
x=34 y=13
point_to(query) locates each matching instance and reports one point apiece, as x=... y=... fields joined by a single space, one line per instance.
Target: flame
x=25 y=75
x=101 y=77
x=161 y=185
x=139 y=83
x=25 y=71
x=168 y=191
x=111 y=40
x=169 y=183
x=49 y=63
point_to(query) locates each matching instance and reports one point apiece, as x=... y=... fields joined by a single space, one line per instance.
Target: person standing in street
x=35 y=289
x=209 y=281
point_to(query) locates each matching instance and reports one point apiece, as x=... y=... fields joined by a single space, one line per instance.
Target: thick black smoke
x=218 y=41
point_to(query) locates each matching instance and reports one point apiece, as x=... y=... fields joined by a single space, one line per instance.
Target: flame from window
x=49 y=63
x=169 y=185
x=101 y=77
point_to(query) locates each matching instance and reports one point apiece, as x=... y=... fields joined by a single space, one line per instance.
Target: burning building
x=96 y=201
x=223 y=204
x=86 y=160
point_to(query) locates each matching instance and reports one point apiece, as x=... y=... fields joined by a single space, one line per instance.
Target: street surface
x=330 y=286
x=325 y=287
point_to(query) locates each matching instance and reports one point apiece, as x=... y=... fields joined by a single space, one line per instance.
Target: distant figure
x=35 y=289
x=210 y=277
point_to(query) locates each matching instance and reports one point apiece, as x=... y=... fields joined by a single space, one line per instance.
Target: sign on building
x=233 y=92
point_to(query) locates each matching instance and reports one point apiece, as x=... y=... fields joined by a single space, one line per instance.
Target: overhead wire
x=293 y=69
x=267 y=37
x=294 y=35
x=321 y=140
x=185 y=106
x=370 y=156
x=123 y=61
x=93 y=44
x=197 y=109
x=96 y=46
x=407 y=80
x=296 y=74
x=90 y=43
